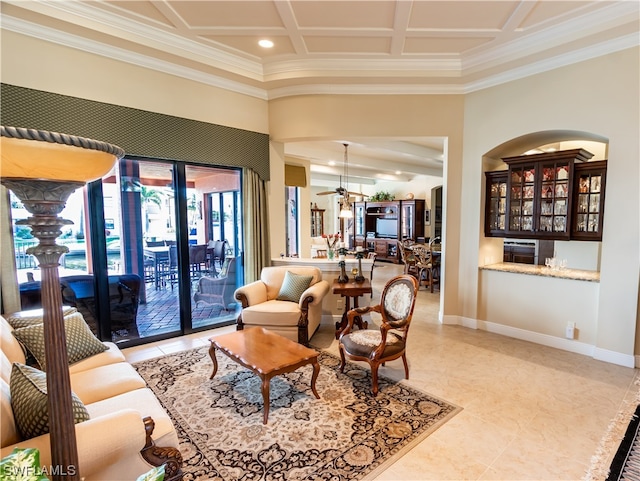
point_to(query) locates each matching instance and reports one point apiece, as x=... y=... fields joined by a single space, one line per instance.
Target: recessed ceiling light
x=398 y=172
x=332 y=162
x=264 y=43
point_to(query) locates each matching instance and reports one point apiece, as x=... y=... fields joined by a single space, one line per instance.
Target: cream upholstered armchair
x=286 y=300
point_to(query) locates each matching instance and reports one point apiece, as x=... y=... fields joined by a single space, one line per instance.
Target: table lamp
x=42 y=169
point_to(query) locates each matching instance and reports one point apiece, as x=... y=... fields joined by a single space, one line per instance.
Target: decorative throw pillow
x=22 y=464
x=293 y=286
x=155 y=474
x=34 y=316
x=28 y=387
x=81 y=343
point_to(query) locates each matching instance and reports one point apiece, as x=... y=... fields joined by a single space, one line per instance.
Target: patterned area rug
x=345 y=435
x=626 y=462
x=618 y=454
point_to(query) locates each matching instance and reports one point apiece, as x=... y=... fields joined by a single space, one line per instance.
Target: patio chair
x=218 y=290
x=377 y=347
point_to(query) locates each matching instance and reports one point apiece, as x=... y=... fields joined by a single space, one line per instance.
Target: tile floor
x=530 y=412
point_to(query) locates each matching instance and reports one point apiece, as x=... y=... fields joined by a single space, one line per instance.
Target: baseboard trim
x=626 y=360
x=569 y=345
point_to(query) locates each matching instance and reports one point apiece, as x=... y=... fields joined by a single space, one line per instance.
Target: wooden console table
x=350 y=290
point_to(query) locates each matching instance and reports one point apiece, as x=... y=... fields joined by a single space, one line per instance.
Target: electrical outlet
x=570 y=331
x=340 y=305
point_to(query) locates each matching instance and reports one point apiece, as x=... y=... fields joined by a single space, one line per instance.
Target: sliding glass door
x=155 y=250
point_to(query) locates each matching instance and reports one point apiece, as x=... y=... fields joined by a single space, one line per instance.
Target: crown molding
x=593 y=22
x=86 y=16
x=559 y=61
x=65 y=39
x=288 y=70
x=344 y=67
x=365 y=89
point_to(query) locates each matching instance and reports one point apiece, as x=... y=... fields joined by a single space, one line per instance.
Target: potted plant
x=381 y=196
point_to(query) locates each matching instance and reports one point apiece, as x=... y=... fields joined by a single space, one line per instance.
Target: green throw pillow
x=23 y=464
x=34 y=316
x=155 y=474
x=28 y=387
x=293 y=286
x=81 y=343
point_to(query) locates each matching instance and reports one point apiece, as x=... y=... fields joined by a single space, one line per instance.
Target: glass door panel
x=216 y=226
x=139 y=202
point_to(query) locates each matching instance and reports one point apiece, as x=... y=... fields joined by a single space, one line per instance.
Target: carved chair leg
x=374 y=378
x=239 y=323
x=156 y=456
x=343 y=360
x=406 y=366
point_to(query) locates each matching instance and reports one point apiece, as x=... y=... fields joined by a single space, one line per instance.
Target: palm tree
x=149 y=196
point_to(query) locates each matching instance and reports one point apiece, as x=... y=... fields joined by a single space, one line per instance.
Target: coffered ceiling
x=326 y=46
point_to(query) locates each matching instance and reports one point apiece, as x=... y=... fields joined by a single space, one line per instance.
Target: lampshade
x=37 y=154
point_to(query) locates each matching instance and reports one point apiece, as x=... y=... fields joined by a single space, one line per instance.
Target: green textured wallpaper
x=138 y=132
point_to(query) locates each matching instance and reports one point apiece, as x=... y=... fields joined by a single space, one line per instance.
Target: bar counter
x=544 y=271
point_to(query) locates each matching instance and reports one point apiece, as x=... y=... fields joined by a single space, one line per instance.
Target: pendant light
x=345 y=205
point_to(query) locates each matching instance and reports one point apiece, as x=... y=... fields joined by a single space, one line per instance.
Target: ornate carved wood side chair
x=423 y=265
x=407 y=258
x=377 y=347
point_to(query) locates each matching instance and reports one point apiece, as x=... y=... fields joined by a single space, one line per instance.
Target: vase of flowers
x=332 y=243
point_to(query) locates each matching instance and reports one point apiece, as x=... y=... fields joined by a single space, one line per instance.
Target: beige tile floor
x=530 y=412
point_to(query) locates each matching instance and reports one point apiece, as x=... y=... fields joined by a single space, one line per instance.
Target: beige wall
x=336 y=116
x=598 y=97
x=36 y=64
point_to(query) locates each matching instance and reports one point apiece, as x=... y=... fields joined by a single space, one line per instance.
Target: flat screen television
x=387 y=228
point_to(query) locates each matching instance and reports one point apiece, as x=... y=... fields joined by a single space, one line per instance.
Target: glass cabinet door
x=589 y=201
x=359 y=219
x=521 y=198
x=554 y=198
x=408 y=221
x=496 y=203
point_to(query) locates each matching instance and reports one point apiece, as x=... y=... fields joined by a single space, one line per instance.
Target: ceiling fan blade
x=357 y=194
x=327 y=192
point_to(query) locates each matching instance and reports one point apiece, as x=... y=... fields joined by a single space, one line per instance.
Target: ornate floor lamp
x=43 y=169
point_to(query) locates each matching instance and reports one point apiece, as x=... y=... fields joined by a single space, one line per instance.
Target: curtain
x=8 y=279
x=256 y=231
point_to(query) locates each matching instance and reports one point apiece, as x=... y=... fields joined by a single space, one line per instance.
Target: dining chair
x=408 y=258
x=377 y=347
x=197 y=260
x=423 y=264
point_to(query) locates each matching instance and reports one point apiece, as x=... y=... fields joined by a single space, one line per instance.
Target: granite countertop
x=544 y=271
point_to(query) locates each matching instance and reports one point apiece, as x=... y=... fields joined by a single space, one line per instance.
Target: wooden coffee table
x=265 y=354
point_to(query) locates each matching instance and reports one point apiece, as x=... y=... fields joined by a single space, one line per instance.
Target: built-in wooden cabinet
x=379 y=225
x=317 y=222
x=539 y=197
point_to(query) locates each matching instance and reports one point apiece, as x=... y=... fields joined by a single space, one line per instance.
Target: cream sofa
x=115 y=443
x=297 y=321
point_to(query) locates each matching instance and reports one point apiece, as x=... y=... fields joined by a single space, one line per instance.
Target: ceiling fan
x=342 y=191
